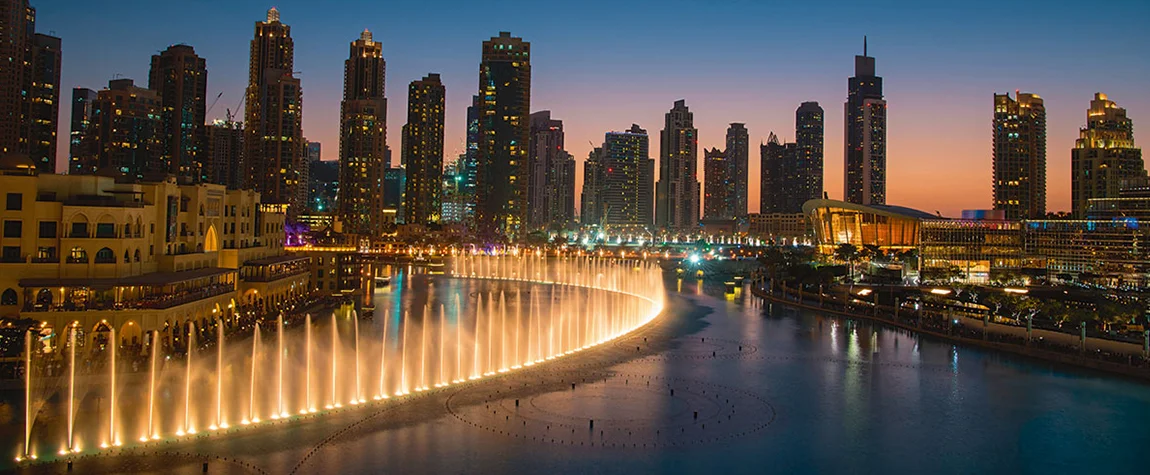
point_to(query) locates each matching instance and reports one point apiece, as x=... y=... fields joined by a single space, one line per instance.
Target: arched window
x=78 y=256
x=105 y=256
x=137 y=255
x=8 y=298
x=127 y=256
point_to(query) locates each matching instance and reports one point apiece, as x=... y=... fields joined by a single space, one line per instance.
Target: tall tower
x=1104 y=156
x=547 y=161
x=363 y=138
x=865 y=163
x=779 y=181
x=128 y=132
x=738 y=160
x=504 y=135
x=625 y=178
x=1020 y=156
x=677 y=192
x=718 y=186
x=424 y=143
x=42 y=104
x=273 y=115
x=17 y=25
x=82 y=138
x=590 y=211
x=809 y=152
x=180 y=77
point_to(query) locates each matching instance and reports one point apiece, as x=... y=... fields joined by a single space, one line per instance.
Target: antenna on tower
x=864 y=45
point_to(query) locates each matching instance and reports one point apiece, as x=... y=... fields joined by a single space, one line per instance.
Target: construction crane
x=228 y=112
x=221 y=94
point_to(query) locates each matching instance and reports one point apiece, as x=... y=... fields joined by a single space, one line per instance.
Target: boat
x=383 y=280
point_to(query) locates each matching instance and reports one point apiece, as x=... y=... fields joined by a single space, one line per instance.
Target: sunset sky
x=603 y=65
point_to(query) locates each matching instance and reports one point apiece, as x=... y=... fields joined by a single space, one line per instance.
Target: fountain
x=498 y=326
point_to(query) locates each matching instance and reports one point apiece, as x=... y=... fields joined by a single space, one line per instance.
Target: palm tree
x=847 y=253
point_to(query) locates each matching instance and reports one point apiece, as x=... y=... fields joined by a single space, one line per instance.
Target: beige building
x=103 y=254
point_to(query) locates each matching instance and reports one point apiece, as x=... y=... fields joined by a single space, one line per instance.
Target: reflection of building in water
x=102 y=252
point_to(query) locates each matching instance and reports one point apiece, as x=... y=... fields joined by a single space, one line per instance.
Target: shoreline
x=1080 y=362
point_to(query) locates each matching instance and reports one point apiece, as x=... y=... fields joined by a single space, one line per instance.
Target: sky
x=603 y=65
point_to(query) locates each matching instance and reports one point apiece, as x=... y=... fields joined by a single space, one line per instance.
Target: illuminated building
x=42 y=106
x=779 y=183
x=273 y=115
x=394 y=187
x=224 y=163
x=1020 y=156
x=865 y=163
x=551 y=179
x=625 y=178
x=363 y=138
x=454 y=207
x=808 y=154
x=180 y=78
x=591 y=211
x=504 y=136
x=29 y=85
x=88 y=249
x=128 y=133
x=677 y=191
x=82 y=139
x=323 y=195
x=424 y=151
x=718 y=186
x=1104 y=252
x=1104 y=156
x=738 y=163
x=779 y=228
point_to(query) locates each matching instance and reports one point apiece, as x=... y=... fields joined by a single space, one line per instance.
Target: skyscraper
x=625 y=177
x=809 y=152
x=1104 y=156
x=590 y=210
x=363 y=138
x=224 y=152
x=82 y=138
x=865 y=163
x=424 y=141
x=550 y=198
x=128 y=132
x=1020 y=156
x=504 y=135
x=42 y=105
x=778 y=192
x=29 y=86
x=677 y=192
x=17 y=26
x=469 y=169
x=180 y=77
x=718 y=186
x=273 y=115
x=738 y=160
x=313 y=152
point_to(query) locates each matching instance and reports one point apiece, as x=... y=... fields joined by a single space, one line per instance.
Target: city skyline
x=949 y=72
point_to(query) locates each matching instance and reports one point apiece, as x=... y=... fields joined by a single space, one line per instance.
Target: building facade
x=625 y=175
x=180 y=77
x=224 y=154
x=719 y=193
x=590 y=209
x=42 y=104
x=1104 y=157
x=1020 y=156
x=29 y=85
x=865 y=157
x=273 y=115
x=551 y=179
x=127 y=133
x=808 y=154
x=779 y=180
x=677 y=191
x=81 y=140
x=738 y=160
x=91 y=252
x=423 y=142
x=363 y=138
x=504 y=136
x=779 y=228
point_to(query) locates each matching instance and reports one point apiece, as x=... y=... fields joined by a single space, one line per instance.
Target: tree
x=847 y=253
